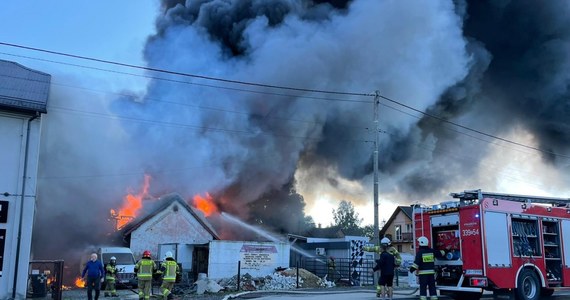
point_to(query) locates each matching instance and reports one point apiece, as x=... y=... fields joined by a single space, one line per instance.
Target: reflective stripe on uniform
x=145 y=271
x=427 y=257
x=110 y=273
x=422 y=272
x=170 y=272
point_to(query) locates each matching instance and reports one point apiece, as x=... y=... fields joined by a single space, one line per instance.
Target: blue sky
x=111 y=30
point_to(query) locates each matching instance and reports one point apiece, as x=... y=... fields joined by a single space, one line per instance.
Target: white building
x=172 y=225
x=23 y=100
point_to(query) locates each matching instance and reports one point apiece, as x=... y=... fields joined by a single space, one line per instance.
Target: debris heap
x=279 y=280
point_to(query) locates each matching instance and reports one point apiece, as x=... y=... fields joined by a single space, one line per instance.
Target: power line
x=471 y=129
x=210 y=78
x=239 y=82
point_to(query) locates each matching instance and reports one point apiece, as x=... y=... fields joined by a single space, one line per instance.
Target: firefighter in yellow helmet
x=110 y=276
x=144 y=269
x=424 y=263
x=170 y=273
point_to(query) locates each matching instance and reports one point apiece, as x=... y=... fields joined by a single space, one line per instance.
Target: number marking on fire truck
x=470 y=232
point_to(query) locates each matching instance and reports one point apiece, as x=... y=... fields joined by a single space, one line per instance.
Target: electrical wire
x=271 y=86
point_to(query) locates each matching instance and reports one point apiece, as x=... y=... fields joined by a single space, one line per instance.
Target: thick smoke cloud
x=519 y=78
x=267 y=154
x=352 y=46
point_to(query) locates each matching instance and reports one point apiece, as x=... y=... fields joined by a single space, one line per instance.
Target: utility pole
x=376 y=150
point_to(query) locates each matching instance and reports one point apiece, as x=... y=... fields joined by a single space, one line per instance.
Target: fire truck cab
x=511 y=245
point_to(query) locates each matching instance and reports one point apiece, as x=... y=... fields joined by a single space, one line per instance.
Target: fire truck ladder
x=472 y=195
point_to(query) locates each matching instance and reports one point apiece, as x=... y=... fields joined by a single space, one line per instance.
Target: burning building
x=170 y=224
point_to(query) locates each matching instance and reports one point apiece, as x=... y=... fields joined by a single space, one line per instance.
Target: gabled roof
x=23 y=89
x=407 y=210
x=163 y=203
x=327 y=232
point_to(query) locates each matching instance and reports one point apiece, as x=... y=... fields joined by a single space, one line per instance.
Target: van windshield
x=122 y=258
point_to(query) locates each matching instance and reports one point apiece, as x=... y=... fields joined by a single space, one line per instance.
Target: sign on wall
x=4 y=211
x=255 y=257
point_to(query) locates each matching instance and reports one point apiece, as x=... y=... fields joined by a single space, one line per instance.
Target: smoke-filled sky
x=269 y=155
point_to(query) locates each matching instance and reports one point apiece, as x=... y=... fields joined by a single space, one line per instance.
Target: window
x=399 y=248
x=408 y=227
x=398 y=232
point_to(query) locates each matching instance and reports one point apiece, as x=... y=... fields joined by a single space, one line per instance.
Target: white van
x=125 y=264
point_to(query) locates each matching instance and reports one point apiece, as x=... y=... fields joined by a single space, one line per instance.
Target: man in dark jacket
x=424 y=263
x=95 y=274
x=386 y=265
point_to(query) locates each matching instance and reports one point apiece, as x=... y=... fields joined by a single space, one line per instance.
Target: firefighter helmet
x=168 y=254
x=146 y=253
x=423 y=241
x=385 y=241
x=113 y=258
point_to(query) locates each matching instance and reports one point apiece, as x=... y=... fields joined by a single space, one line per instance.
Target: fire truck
x=512 y=245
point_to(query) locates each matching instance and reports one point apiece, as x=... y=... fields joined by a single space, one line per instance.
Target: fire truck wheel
x=528 y=286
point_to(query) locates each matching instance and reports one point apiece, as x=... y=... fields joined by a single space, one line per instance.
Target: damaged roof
x=23 y=89
x=163 y=203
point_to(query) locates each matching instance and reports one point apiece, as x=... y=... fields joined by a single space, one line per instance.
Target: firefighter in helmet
x=110 y=277
x=144 y=269
x=331 y=269
x=170 y=271
x=385 y=242
x=424 y=263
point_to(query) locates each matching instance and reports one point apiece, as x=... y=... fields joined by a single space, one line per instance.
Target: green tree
x=345 y=217
x=368 y=231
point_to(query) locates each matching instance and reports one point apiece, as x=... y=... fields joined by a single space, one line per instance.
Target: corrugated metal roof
x=23 y=89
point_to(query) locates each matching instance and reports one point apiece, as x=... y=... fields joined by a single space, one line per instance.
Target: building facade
x=23 y=101
x=399 y=229
x=172 y=225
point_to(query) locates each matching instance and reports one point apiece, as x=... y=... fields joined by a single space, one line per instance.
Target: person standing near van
x=144 y=269
x=95 y=273
x=110 y=276
x=170 y=271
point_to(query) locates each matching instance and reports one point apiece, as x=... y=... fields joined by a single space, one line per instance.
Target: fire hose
x=234 y=296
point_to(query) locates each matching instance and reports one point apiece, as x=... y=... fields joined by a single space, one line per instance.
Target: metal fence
x=344 y=272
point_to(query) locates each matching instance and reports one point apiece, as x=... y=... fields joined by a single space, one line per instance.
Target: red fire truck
x=513 y=245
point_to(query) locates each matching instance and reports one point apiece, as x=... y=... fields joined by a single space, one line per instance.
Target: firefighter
x=424 y=263
x=385 y=242
x=170 y=273
x=144 y=269
x=332 y=269
x=386 y=265
x=110 y=276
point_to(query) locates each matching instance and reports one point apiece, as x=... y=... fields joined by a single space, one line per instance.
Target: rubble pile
x=279 y=280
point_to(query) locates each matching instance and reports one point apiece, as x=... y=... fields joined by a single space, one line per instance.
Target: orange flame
x=131 y=206
x=206 y=204
x=79 y=282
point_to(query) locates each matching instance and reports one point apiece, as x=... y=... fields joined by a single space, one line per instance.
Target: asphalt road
x=357 y=295
x=321 y=294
